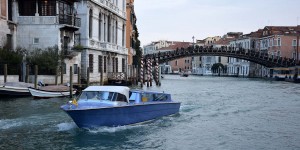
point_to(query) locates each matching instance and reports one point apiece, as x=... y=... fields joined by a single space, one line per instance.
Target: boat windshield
x=96 y=95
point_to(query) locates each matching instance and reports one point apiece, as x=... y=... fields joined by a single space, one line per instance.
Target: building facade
x=7 y=27
x=102 y=35
x=131 y=38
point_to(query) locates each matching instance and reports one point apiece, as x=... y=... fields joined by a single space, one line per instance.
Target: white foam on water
x=9 y=123
x=66 y=126
x=112 y=129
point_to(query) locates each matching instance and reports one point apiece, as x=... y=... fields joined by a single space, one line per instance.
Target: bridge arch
x=247 y=54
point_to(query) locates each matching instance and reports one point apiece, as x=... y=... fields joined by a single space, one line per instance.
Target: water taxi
x=117 y=106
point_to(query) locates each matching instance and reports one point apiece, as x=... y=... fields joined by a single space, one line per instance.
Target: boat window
x=121 y=98
x=96 y=95
x=160 y=97
x=147 y=97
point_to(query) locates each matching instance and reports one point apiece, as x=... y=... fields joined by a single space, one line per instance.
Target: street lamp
x=193 y=41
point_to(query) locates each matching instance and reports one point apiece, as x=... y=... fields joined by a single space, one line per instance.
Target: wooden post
x=35 y=76
x=79 y=77
x=71 y=82
x=159 y=76
x=142 y=72
x=5 y=73
x=134 y=75
x=56 y=76
x=88 y=77
x=61 y=75
x=27 y=74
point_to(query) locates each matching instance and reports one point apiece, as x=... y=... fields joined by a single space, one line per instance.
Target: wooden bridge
x=247 y=54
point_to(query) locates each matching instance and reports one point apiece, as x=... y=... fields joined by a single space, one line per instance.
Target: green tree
x=138 y=49
x=47 y=60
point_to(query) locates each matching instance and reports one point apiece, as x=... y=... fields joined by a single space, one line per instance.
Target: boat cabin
x=138 y=96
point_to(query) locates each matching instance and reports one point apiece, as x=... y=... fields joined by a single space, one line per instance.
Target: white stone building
x=6 y=26
x=154 y=46
x=242 y=67
x=102 y=34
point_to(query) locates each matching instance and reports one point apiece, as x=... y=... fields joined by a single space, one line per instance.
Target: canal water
x=216 y=113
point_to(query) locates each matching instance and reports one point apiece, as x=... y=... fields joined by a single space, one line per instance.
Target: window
x=100 y=22
x=100 y=63
x=123 y=35
x=104 y=64
x=77 y=39
x=27 y=8
x=9 y=41
x=104 y=28
x=113 y=64
x=47 y=8
x=108 y=28
x=75 y=68
x=279 y=42
x=123 y=65
x=116 y=38
x=176 y=63
x=9 y=10
x=63 y=68
x=91 y=23
x=294 y=43
x=117 y=64
x=36 y=40
x=91 y=62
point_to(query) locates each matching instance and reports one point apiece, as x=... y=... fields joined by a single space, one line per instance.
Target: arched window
x=116 y=32
x=91 y=23
x=123 y=35
x=104 y=28
x=108 y=28
x=100 y=22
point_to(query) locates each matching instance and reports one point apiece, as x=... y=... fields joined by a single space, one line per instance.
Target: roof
x=177 y=45
x=118 y=89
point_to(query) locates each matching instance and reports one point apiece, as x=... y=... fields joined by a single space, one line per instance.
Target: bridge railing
x=253 y=55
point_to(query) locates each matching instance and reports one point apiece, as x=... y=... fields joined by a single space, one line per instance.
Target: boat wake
x=114 y=129
x=9 y=123
x=66 y=126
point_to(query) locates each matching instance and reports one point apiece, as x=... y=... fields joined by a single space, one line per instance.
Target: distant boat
x=15 y=89
x=51 y=91
x=184 y=74
x=117 y=106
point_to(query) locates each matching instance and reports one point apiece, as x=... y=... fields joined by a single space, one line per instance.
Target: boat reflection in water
x=117 y=106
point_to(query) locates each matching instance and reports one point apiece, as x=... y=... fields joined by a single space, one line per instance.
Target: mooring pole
x=56 y=75
x=78 y=77
x=35 y=76
x=148 y=71
x=142 y=71
x=71 y=82
x=151 y=71
x=159 y=75
x=5 y=73
x=61 y=75
x=27 y=74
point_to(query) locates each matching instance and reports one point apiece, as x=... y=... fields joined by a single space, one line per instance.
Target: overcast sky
x=180 y=20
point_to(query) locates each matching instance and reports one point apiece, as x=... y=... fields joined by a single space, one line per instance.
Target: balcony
x=70 y=21
x=104 y=46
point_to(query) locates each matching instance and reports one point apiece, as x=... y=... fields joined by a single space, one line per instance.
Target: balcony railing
x=69 y=20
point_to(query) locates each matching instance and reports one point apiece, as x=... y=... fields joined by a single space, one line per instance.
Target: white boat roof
x=118 y=89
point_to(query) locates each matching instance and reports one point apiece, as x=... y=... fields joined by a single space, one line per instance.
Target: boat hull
x=48 y=94
x=14 y=91
x=123 y=115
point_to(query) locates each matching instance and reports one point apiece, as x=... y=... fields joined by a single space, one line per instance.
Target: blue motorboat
x=114 y=106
